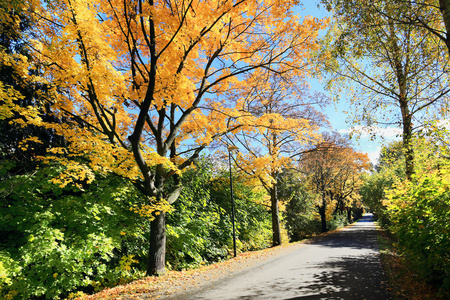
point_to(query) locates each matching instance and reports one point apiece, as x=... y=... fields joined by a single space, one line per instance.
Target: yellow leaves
x=98 y=55
x=8 y=96
x=150 y=210
x=11 y=295
x=330 y=209
x=76 y=295
x=126 y=262
x=74 y=173
x=152 y=159
x=25 y=143
x=175 y=89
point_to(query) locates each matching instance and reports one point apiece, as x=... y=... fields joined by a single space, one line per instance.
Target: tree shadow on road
x=358 y=277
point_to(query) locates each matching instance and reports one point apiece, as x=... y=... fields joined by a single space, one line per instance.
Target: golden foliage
x=172 y=64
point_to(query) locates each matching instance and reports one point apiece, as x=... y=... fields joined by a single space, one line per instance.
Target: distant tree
x=333 y=171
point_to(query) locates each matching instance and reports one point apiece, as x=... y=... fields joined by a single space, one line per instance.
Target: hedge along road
x=342 y=265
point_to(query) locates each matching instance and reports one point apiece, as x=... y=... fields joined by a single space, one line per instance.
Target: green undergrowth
x=404 y=282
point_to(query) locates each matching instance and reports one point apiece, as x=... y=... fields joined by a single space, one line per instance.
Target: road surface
x=341 y=265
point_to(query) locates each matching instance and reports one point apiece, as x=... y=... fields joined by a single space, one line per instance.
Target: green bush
x=301 y=218
x=57 y=240
x=420 y=214
x=60 y=242
x=339 y=220
x=199 y=229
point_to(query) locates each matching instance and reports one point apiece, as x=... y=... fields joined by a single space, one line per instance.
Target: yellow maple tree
x=143 y=85
x=285 y=119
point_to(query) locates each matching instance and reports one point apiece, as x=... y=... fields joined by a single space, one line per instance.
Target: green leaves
x=199 y=230
x=55 y=240
x=417 y=211
x=420 y=211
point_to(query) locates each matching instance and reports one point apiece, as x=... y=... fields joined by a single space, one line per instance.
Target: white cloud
x=373 y=156
x=373 y=131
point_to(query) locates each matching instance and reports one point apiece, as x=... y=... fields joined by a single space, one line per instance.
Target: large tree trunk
x=401 y=71
x=157 y=252
x=276 y=230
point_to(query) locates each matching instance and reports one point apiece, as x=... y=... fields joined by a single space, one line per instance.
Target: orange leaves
x=334 y=170
x=97 y=56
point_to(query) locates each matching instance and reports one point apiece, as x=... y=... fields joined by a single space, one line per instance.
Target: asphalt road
x=341 y=265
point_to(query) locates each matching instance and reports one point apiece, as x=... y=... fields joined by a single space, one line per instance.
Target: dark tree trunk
x=444 y=6
x=407 y=143
x=275 y=216
x=157 y=252
x=402 y=78
x=323 y=217
x=349 y=214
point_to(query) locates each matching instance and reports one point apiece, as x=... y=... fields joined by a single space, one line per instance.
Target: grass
x=404 y=282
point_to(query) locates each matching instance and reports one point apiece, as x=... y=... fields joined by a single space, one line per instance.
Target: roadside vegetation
x=414 y=216
x=403 y=279
x=133 y=133
x=67 y=242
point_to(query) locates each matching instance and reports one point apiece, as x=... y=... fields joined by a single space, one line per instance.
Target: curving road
x=341 y=265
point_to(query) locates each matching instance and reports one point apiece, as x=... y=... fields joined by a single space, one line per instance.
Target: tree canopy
x=142 y=85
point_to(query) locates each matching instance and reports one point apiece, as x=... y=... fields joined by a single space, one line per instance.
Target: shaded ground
x=340 y=265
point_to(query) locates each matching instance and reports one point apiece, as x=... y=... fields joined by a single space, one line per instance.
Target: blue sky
x=335 y=111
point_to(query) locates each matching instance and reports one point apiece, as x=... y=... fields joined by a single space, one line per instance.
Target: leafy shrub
x=420 y=214
x=373 y=194
x=302 y=220
x=57 y=240
x=199 y=229
x=339 y=220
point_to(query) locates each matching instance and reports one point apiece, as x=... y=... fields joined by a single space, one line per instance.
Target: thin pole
x=232 y=204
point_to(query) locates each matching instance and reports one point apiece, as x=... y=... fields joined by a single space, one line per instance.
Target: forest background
x=129 y=127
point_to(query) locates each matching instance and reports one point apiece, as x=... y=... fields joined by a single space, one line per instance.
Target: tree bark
x=349 y=214
x=407 y=146
x=444 y=6
x=157 y=252
x=322 y=212
x=402 y=77
x=276 y=231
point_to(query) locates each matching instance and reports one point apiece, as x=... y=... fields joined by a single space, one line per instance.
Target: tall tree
x=131 y=76
x=393 y=73
x=287 y=118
